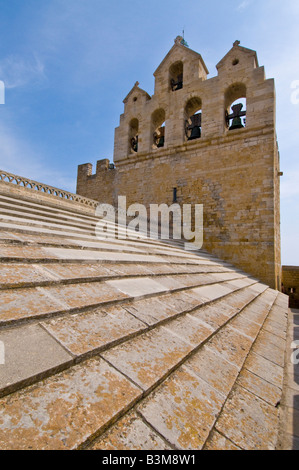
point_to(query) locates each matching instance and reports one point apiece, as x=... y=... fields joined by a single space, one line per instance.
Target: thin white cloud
x=243 y=5
x=17 y=72
x=19 y=157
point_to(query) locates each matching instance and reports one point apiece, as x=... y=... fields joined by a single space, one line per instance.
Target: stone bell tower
x=201 y=140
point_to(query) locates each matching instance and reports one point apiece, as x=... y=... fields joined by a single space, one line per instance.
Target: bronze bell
x=236 y=116
x=161 y=142
x=159 y=137
x=236 y=124
x=195 y=133
x=134 y=143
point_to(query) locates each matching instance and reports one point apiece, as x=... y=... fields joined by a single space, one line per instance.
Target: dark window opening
x=235 y=106
x=178 y=83
x=175 y=194
x=159 y=137
x=133 y=135
x=193 y=127
x=193 y=118
x=176 y=76
x=158 y=128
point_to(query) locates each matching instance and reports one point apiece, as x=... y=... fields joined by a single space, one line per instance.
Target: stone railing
x=20 y=181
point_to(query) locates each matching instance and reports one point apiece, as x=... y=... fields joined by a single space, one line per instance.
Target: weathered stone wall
x=290 y=281
x=233 y=173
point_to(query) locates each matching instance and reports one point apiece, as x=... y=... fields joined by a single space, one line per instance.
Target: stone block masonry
x=229 y=165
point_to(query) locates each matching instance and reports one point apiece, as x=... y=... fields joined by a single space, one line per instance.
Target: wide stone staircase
x=130 y=343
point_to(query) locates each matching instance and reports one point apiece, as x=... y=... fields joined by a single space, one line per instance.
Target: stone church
x=201 y=140
x=141 y=344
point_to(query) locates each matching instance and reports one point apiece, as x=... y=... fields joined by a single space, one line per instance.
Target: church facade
x=201 y=140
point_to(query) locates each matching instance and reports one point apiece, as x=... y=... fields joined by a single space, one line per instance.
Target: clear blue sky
x=67 y=65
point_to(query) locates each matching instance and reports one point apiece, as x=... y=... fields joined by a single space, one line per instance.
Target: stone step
x=10 y=213
x=183 y=408
x=77 y=256
x=58 y=234
x=89 y=332
x=44 y=206
x=23 y=304
x=31 y=212
x=165 y=363
x=16 y=275
x=259 y=387
x=132 y=343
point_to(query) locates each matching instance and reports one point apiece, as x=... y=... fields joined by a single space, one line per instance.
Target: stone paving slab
x=258 y=310
x=25 y=304
x=63 y=253
x=214 y=315
x=149 y=357
x=29 y=352
x=268 y=392
x=131 y=433
x=182 y=301
x=38 y=216
x=101 y=245
x=248 y=421
x=244 y=326
x=20 y=274
x=64 y=411
x=208 y=293
x=176 y=282
x=270 y=347
x=83 y=333
x=35 y=206
x=75 y=271
x=138 y=269
x=152 y=310
x=231 y=345
x=24 y=252
x=265 y=369
x=7 y=236
x=213 y=369
x=29 y=303
x=218 y=442
x=241 y=298
x=137 y=288
x=82 y=295
x=183 y=410
x=14 y=221
x=278 y=316
x=276 y=328
x=190 y=329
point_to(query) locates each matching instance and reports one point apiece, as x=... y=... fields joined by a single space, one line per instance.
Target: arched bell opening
x=158 y=128
x=193 y=119
x=176 y=73
x=235 y=107
x=133 y=135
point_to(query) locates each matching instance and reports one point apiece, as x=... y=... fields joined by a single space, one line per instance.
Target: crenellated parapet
x=17 y=182
x=99 y=185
